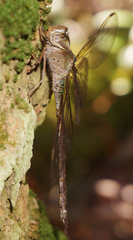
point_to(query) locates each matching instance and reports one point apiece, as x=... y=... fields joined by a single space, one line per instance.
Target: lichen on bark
x=18 y=118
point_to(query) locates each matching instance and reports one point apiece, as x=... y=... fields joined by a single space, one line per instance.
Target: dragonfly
x=69 y=75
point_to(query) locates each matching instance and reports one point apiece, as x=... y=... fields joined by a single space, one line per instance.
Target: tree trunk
x=22 y=216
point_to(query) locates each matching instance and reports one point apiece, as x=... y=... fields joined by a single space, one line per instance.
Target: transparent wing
x=68 y=122
x=91 y=56
x=78 y=87
x=63 y=134
x=55 y=158
x=81 y=78
x=97 y=48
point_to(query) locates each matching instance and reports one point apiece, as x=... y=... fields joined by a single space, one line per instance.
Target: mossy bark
x=17 y=123
x=20 y=214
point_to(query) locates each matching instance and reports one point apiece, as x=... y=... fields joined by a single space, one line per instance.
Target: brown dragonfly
x=69 y=74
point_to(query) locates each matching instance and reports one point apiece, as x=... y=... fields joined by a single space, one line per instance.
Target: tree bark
x=22 y=216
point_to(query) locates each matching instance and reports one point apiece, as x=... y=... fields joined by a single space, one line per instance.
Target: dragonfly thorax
x=60 y=62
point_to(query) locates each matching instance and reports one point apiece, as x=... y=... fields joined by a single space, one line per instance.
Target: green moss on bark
x=17 y=20
x=40 y=227
x=3 y=132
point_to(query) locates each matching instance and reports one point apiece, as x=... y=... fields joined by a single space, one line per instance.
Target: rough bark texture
x=22 y=216
x=17 y=124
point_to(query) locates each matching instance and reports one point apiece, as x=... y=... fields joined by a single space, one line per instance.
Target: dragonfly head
x=58 y=36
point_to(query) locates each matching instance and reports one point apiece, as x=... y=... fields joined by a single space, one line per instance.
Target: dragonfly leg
x=38 y=61
x=33 y=90
x=41 y=32
x=39 y=83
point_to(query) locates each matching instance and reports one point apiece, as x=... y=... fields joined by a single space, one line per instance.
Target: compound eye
x=65 y=42
x=57 y=39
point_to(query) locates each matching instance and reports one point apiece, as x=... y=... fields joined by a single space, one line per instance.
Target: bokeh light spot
x=123 y=209
x=122 y=230
x=127 y=193
x=107 y=188
x=125 y=57
x=103 y=102
x=121 y=86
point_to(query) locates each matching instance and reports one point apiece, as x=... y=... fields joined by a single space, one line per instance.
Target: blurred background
x=100 y=163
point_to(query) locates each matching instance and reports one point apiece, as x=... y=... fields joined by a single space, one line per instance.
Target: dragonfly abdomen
x=62 y=187
x=63 y=201
x=58 y=89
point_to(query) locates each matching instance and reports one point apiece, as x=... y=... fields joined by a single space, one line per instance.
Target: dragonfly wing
x=66 y=113
x=55 y=158
x=97 y=48
x=81 y=77
x=79 y=85
x=91 y=56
